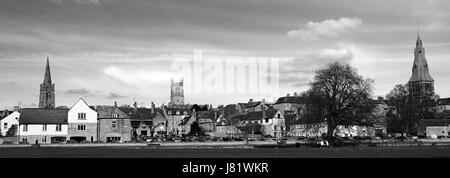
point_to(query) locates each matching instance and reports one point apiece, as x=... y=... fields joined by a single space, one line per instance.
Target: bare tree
x=342 y=94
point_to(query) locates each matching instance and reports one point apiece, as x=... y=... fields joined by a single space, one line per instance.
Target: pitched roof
x=43 y=116
x=106 y=112
x=292 y=99
x=257 y=115
x=5 y=113
x=141 y=113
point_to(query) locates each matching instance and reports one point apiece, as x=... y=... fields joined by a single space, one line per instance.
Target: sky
x=124 y=51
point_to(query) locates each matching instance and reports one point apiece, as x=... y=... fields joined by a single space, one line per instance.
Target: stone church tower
x=47 y=91
x=421 y=84
x=176 y=93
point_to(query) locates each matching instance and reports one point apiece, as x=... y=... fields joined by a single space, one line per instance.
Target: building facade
x=9 y=120
x=113 y=124
x=43 y=125
x=82 y=122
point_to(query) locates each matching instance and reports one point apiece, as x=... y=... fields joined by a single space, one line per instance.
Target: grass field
x=136 y=152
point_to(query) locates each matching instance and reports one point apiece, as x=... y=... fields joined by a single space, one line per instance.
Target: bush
x=85 y=141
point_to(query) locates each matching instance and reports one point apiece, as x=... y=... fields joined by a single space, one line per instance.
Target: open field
x=140 y=152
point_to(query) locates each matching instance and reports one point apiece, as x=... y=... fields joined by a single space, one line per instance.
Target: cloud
x=298 y=71
x=115 y=96
x=139 y=77
x=326 y=29
x=79 y=1
x=78 y=91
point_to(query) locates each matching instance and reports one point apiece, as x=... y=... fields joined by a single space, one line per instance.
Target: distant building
x=271 y=120
x=434 y=127
x=291 y=104
x=43 y=125
x=113 y=124
x=174 y=117
x=176 y=94
x=82 y=122
x=421 y=84
x=47 y=90
x=442 y=105
x=10 y=118
x=251 y=106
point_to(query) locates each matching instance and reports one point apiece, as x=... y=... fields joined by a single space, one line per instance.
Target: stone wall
x=90 y=133
x=122 y=129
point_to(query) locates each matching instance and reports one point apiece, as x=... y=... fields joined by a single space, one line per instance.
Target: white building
x=82 y=122
x=8 y=121
x=43 y=125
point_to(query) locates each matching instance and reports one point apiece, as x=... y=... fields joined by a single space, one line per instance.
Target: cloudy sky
x=113 y=50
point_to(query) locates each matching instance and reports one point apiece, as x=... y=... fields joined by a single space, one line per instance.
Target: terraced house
x=114 y=125
x=82 y=122
x=43 y=125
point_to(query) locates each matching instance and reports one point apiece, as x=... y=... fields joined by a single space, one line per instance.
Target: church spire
x=47 y=76
x=420 y=71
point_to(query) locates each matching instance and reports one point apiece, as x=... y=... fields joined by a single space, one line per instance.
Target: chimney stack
x=288 y=95
x=295 y=94
x=115 y=103
x=250 y=101
x=153 y=107
x=16 y=108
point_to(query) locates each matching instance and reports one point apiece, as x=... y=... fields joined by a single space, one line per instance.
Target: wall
x=90 y=133
x=123 y=129
x=432 y=131
x=36 y=129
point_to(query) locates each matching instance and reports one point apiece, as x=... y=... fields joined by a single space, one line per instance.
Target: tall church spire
x=47 y=90
x=47 y=76
x=420 y=71
x=421 y=83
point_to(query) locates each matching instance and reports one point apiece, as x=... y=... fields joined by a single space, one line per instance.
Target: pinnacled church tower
x=47 y=90
x=421 y=84
x=176 y=93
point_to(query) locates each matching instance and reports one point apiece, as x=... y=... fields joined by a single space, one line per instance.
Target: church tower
x=176 y=93
x=421 y=84
x=47 y=90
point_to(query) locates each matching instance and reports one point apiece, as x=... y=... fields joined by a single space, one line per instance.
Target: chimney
x=250 y=101
x=153 y=107
x=115 y=103
x=295 y=94
x=16 y=108
x=288 y=95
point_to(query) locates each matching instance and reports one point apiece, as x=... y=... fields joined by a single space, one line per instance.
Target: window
x=115 y=115
x=275 y=127
x=81 y=127
x=81 y=116
x=114 y=124
x=178 y=112
x=5 y=126
x=25 y=128
x=279 y=116
x=185 y=113
x=44 y=127
x=58 y=127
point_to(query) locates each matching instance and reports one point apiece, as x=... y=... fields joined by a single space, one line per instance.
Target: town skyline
x=105 y=56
